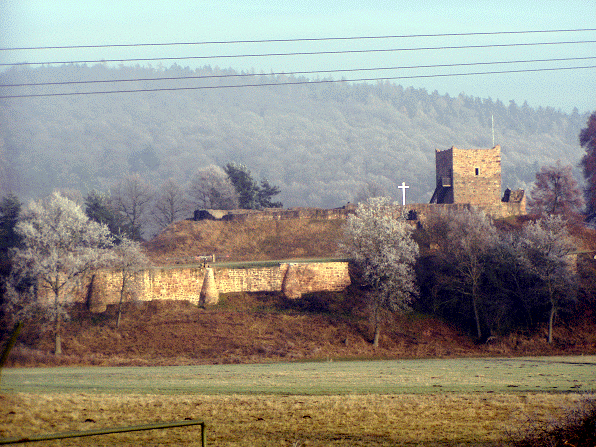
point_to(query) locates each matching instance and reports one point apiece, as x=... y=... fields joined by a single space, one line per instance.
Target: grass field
x=543 y=374
x=379 y=403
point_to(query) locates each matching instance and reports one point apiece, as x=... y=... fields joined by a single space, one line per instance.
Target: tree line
x=134 y=207
x=463 y=268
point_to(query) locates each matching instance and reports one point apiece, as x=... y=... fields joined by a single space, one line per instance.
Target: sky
x=33 y=23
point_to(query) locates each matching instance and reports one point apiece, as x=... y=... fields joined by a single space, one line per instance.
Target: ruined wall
x=278 y=214
x=293 y=279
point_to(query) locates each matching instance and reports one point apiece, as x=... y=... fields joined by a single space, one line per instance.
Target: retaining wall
x=203 y=285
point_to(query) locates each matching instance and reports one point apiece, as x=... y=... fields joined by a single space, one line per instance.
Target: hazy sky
x=25 y=23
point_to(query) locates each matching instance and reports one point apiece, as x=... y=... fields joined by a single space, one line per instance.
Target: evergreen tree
x=251 y=195
x=99 y=208
x=246 y=187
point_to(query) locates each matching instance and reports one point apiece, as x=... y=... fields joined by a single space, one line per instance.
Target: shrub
x=576 y=428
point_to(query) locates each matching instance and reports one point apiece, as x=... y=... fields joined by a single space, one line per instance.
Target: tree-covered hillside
x=319 y=142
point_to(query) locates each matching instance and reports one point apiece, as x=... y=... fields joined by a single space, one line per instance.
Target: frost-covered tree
x=129 y=259
x=555 y=192
x=369 y=189
x=211 y=188
x=379 y=241
x=545 y=247
x=59 y=244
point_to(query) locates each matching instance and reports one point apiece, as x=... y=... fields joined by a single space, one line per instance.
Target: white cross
x=403 y=187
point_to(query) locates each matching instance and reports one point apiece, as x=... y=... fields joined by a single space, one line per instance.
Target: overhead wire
x=323 y=81
x=307 y=39
x=295 y=73
x=299 y=53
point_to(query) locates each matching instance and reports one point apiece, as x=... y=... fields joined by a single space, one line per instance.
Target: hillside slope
x=182 y=241
x=262 y=328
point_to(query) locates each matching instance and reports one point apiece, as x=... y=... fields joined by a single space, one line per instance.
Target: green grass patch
x=513 y=375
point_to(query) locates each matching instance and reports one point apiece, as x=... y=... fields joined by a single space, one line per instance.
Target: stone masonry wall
x=294 y=279
x=477 y=176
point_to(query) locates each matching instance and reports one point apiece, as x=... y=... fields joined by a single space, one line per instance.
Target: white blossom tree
x=59 y=245
x=380 y=243
x=545 y=248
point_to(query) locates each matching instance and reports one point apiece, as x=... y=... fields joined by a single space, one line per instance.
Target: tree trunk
x=57 y=322
x=377 y=335
x=58 y=347
x=120 y=309
x=551 y=320
x=553 y=311
x=121 y=299
x=475 y=306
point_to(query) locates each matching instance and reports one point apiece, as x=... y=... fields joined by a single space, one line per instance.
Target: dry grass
x=246 y=241
x=238 y=420
x=577 y=428
x=254 y=328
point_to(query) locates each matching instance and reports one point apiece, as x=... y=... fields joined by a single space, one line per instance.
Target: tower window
x=477 y=171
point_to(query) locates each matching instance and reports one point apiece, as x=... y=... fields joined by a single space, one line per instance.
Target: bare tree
x=132 y=197
x=59 y=244
x=545 y=249
x=555 y=192
x=470 y=238
x=170 y=204
x=129 y=259
x=369 y=189
x=211 y=188
x=381 y=245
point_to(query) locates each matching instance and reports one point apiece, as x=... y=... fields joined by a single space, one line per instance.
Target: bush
x=576 y=428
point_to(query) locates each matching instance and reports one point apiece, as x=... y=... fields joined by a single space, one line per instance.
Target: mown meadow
x=367 y=403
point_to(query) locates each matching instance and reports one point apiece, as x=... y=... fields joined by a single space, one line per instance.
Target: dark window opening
x=412 y=215
x=477 y=171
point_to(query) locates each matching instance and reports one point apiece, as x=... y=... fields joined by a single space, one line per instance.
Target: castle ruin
x=465 y=178
x=473 y=176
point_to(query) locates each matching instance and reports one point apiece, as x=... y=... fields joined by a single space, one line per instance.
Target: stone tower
x=470 y=176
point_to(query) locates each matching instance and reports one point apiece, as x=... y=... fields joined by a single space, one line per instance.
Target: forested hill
x=320 y=143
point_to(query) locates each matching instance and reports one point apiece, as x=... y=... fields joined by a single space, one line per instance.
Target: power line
x=305 y=53
x=313 y=39
x=294 y=73
x=326 y=81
